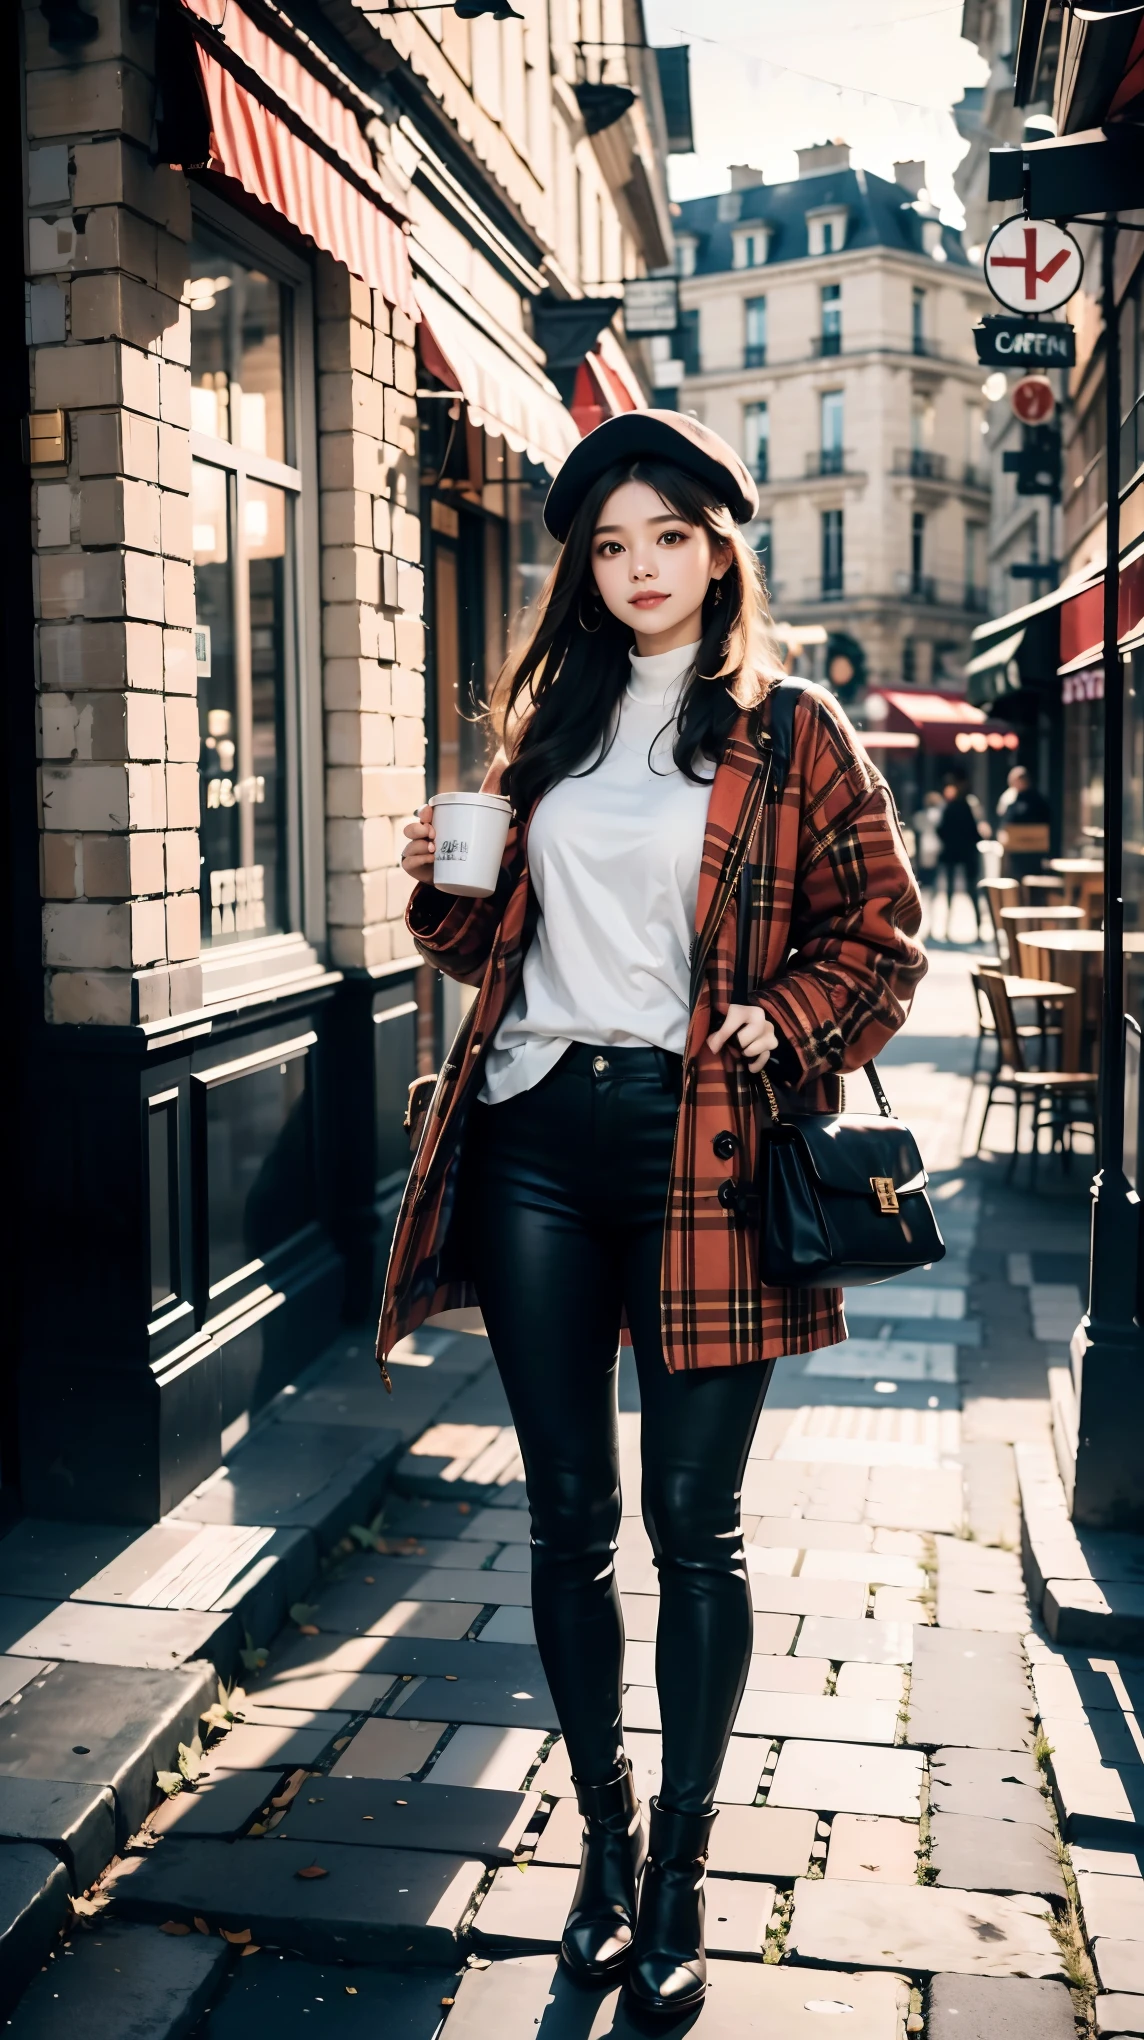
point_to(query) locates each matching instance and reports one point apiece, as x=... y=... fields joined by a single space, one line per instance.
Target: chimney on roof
x=911 y=177
x=823 y=156
x=743 y=176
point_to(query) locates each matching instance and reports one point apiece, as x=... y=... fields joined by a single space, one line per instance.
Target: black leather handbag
x=840 y=1197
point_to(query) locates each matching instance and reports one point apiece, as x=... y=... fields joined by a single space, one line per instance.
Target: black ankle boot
x=598 y=1934
x=667 y=1970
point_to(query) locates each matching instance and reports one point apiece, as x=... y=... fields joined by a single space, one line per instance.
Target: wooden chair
x=1042 y=889
x=1060 y=1099
x=999 y=892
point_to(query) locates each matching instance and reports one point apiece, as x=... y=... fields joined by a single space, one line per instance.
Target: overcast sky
x=754 y=102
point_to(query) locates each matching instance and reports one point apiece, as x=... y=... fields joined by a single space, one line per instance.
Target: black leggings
x=566 y=1190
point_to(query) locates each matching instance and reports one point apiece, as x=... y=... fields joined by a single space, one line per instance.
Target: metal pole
x=1108 y=1347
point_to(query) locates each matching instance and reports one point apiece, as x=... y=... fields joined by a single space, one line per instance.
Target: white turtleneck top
x=614 y=858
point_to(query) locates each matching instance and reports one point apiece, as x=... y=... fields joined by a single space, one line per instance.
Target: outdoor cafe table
x=1013 y=919
x=1074 y=956
x=1084 y=883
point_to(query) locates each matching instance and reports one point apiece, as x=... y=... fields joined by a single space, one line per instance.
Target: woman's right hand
x=419 y=852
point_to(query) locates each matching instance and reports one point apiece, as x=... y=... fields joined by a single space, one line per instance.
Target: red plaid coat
x=833 y=962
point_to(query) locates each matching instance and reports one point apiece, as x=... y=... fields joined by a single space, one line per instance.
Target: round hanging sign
x=1032 y=399
x=1032 y=265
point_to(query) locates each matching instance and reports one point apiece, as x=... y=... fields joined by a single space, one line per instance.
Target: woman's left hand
x=757 y=1038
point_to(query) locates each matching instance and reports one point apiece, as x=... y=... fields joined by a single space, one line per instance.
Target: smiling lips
x=647 y=601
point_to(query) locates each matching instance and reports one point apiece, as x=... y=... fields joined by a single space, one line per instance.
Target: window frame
x=302 y=718
x=760 y=410
x=754 y=351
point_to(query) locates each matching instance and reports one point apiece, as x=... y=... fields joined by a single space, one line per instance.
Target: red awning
x=290 y=142
x=936 y=719
x=1082 y=617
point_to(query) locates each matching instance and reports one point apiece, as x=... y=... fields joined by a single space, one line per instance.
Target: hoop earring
x=590 y=628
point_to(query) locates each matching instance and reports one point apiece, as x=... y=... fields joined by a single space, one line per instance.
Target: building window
x=832 y=555
x=830 y=335
x=918 y=321
x=687 y=342
x=756 y=439
x=975 y=593
x=831 y=459
x=909 y=661
x=755 y=351
x=246 y=487
x=749 y=250
x=684 y=255
x=919 y=585
x=826 y=233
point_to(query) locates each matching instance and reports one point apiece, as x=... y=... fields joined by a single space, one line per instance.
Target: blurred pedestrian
x=927 y=841
x=960 y=828
x=596 y=1085
x=1023 y=823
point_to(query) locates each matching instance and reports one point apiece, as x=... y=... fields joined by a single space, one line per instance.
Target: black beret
x=651 y=435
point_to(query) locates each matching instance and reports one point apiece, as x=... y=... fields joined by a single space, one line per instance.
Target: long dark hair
x=554 y=705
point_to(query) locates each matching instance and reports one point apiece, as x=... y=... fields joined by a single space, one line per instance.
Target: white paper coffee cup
x=472 y=829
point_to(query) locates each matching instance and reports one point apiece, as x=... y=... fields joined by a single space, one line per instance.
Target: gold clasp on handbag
x=887 y=1196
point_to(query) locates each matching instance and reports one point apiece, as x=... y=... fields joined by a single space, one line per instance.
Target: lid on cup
x=461 y=798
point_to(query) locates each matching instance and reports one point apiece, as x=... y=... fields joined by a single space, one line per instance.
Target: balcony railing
x=921 y=345
x=828 y=460
x=975 y=477
x=976 y=599
x=755 y=355
x=916 y=587
x=920 y=462
x=827 y=343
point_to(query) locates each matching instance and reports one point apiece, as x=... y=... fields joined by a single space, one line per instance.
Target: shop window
x=246 y=485
x=259 y=1163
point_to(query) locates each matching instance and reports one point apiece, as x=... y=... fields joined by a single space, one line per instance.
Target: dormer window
x=749 y=247
x=826 y=230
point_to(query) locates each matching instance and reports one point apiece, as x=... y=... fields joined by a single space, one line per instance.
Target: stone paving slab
x=788 y=1675
x=319 y=1477
x=817 y=1717
x=17 y=1672
x=814 y=1536
x=868 y=1642
x=999 y=2008
x=964 y=1608
x=1112 y=1906
x=353 y=1607
x=554 y=1778
x=1119 y=1965
x=970 y=1689
x=126 y=1983
x=1118 y=2012
x=746 y=1841
x=149 y=1639
x=494 y=1701
x=462 y=1820
x=921 y=1929
x=502 y=1526
x=325 y=1692
x=875 y=1568
x=745 y=2001
x=974 y=1853
x=371 y=1906
x=76 y=1822
x=426 y=1657
x=843 y=1599
x=276 y=1999
x=847 y=1778
x=33 y=1908
x=511 y=1625
x=276 y=1746
x=498 y=1758
x=997 y=1785
x=104 y=1725
x=50 y=1560
x=868 y=1846
x=1107 y=1862
x=1077 y=1681
x=870 y=1682
x=224 y=1804
x=388 y=1749
x=526 y=1910
x=1095 y=1802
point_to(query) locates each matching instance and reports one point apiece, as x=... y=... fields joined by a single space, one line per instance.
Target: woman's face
x=652 y=568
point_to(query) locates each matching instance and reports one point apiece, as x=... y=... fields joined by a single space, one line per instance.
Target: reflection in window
x=260 y=1182
x=242 y=533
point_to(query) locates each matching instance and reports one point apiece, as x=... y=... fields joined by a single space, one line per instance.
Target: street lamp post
x=1108 y=1344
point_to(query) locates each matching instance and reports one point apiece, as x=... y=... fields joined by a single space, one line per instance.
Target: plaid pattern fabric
x=834 y=963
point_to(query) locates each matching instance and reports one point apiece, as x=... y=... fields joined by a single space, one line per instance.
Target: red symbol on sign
x=1032 y=399
x=1028 y=262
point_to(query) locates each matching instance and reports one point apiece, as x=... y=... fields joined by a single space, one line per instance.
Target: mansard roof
x=879 y=215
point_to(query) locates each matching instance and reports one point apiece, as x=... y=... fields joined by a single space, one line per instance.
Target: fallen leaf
x=235 y=1936
x=351 y=1990
x=367 y=1539
x=174 y=1927
x=292 y=1787
x=201 y=1926
x=312 y=1870
x=253 y=1949
x=401 y=1802
x=84 y=1908
x=448 y=2001
x=301 y=1611
x=451 y=1677
x=342 y=1742
x=367 y=1816
x=259 y=1828
x=170 y=1782
x=308 y=1629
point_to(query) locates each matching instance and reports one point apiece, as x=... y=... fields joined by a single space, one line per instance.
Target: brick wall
x=110 y=345
x=373 y=639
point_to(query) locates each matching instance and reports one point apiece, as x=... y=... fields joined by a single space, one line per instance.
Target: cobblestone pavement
x=383 y=1842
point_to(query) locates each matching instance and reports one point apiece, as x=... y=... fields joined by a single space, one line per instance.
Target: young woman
x=579 y=1163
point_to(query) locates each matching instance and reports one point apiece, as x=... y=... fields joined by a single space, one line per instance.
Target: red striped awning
x=290 y=142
